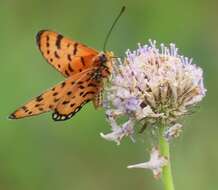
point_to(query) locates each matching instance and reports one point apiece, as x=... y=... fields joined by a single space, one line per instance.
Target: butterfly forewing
x=67 y=56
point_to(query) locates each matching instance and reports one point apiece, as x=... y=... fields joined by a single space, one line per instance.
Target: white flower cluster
x=150 y=86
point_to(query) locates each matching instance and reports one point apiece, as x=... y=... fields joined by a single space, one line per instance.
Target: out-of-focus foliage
x=38 y=153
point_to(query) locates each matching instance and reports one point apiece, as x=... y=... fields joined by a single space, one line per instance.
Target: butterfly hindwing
x=49 y=100
x=67 y=56
x=85 y=90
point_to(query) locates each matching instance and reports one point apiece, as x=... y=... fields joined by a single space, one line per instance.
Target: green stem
x=167 y=177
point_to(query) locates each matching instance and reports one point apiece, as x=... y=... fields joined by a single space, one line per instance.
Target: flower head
x=150 y=86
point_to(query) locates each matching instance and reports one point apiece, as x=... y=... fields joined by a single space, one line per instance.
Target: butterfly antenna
x=112 y=27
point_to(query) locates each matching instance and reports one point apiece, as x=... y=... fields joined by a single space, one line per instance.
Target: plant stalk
x=164 y=147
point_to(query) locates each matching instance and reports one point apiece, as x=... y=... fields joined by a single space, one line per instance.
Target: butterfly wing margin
x=67 y=56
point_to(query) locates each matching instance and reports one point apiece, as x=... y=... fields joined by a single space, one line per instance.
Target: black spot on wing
x=66 y=72
x=40 y=109
x=63 y=84
x=69 y=57
x=58 y=41
x=71 y=105
x=47 y=38
x=50 y=106
x=56 y=55
x=87 y=93
x=39 y=98
x=80 y=82
x=65 y=102
x=56 y=99
x=55 y=94
x=70 y=68
x=92 y=85
x=82 y=61
x=24 y=108
x=81 y=87
x=75 y=48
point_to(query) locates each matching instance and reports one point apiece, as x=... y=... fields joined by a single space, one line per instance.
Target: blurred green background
x=38 y=153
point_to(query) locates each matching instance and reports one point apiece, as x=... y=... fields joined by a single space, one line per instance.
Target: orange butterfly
x=85 y=69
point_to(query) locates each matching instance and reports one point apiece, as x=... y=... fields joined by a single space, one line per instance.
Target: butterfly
x=84 y=69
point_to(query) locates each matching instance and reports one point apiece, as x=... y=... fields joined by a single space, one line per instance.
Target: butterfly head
x=104 y=60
